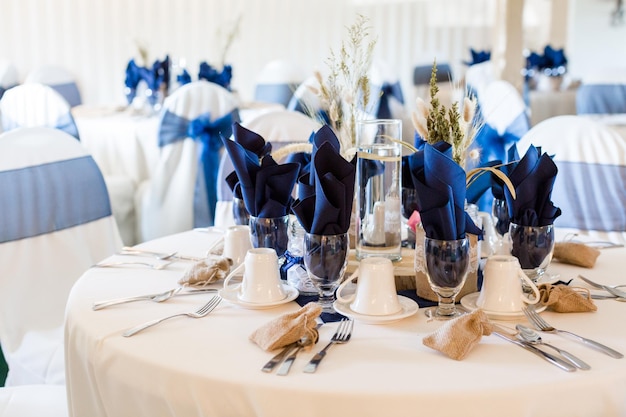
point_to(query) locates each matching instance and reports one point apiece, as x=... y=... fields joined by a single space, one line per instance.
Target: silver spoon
x=157 y=298
x=529 y=335
x=127 y=250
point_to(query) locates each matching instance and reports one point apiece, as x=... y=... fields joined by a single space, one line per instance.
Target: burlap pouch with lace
x=457 y=337
x=564 y=299
x=289 y=328
x=576 y=254
x=206 y=272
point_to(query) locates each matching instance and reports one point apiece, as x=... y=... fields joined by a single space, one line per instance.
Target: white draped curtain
x=96 y=38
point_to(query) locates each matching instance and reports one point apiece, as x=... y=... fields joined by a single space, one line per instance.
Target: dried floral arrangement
x=455 y=126
x=229 y=38
x=346 y=90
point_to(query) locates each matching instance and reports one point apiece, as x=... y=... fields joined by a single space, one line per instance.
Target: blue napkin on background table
x=533 y=178
x=326 y=192
x=441 y=191
x=265 y=185
x=223 y=78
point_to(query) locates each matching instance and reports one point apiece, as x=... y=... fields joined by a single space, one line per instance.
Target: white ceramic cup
x=375 y=293
x=236 y=244
x=502 y=286
x=261 y=282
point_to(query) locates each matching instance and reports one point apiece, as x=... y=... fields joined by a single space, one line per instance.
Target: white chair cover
x=590 y=186
x=33 y=400
x=176 y=198
x=8 y=76
x=277 y=81
x=306 y=100
x=36 y=105
x=55 y=222
x=60 y=79
x=603 y=93
x=479 y=76
x=280 y=128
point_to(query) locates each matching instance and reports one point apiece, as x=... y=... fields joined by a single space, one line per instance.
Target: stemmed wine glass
x=325 y=259
x=533 y=246
x=447 y=266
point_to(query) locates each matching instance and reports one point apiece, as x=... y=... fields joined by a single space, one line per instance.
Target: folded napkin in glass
x=563 y=299
x=441 y=192
x=532 y=178
x=326 y=191
x=154 y=76
x=206 y=272
x=457 y=337
x=289 y=328
x=264 y=185
x=222 y=78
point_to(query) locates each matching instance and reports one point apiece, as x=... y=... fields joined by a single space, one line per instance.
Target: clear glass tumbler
x=378 y=192
x=533 y=246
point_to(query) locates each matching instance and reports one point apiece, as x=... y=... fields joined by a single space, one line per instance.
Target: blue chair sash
x=65 y=123
x=206 y=131
x=275 y=93
x=582 y=209
x=388 y=91
x=70 y=93
x=601 y=99
x=39 y=210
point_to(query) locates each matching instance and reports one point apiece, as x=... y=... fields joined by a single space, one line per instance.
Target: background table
x=208 y=367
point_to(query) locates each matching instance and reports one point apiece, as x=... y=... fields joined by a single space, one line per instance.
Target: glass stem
x=446 y=306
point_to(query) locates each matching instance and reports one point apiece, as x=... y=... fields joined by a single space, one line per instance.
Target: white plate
x=469 y=302
x=408 y=308
x=230 y=295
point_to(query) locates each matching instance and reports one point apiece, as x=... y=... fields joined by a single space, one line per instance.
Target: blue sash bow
x=41 y=211
x=207 y=132
x=388 y=90
x=65 y=123
x=290 y=260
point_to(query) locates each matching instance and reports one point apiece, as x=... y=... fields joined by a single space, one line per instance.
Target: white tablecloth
x=208 y=367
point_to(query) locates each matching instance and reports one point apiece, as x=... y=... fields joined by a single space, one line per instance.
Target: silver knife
x=271 y=364
x=566 y=366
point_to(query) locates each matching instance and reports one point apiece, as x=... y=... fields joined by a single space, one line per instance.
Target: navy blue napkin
x=265 y=185
x=153 y=77
x=326 y=192
x=441 y=192
x=532 y=178
x=478 y=57
x=223 y=78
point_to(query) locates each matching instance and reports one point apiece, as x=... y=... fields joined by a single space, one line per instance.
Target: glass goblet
x=500 y=212
x=325 y=259
x=533 y=246
x=240 y=213
x=270 y=232
x=447 y=265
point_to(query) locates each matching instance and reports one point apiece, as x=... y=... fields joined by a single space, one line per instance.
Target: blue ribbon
x=47 y=198
x=207 y=72
x=289 y=261
x=65 y=123
x=70 y=93
x=275 y=93
x=601 y=99
x=388 y=90
x=207 y=132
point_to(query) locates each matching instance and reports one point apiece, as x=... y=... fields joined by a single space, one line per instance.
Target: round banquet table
x=209 y=367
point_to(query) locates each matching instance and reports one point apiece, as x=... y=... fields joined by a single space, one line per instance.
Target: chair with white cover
x=280 y=128
x=505 y=121
x=55 y=223
x=590 y=186
x=306 y=100
x=181 y=194
x=8 y=76
x=448 y=92
x=603 y=92
x=277 y=81
x=479 y=76
x=36 y=105
x=34 y=400
x=60 y=79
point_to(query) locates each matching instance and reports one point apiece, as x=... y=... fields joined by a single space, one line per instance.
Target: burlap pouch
x=421 y=280
x=206 y=272
x=576 y=254
x=289 y=328
x=457 y=337
x=564 y=299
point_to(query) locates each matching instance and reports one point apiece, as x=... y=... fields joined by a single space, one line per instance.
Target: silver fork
x=544 y=326
x=122 y=263
x=342 y=335
x=201 y=312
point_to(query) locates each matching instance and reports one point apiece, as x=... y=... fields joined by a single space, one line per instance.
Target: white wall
x=593 y=42
x=96 y=38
